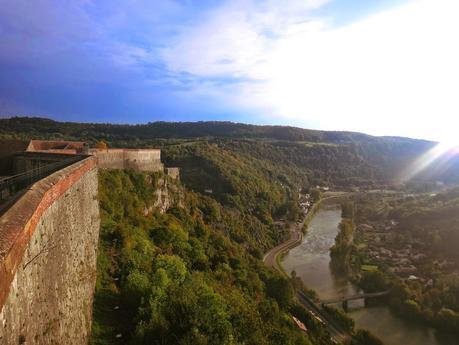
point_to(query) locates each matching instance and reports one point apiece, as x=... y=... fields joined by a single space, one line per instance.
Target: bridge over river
x=356 y=296
x=344 y=300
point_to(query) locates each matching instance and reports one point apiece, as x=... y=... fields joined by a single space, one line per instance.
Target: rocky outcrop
x=167 y=195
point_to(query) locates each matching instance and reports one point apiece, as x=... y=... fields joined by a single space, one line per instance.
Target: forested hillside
x=341 y=159
x=199 y=262
x=185 y=276
x=168 y=130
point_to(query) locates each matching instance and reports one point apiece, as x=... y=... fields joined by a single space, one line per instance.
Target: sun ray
x=439 y=155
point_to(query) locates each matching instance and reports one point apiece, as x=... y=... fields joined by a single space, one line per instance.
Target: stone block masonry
x=137 y=159
x=49 y=242
x=48 y=252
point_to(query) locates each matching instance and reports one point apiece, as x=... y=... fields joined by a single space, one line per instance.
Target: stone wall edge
x=18 y=224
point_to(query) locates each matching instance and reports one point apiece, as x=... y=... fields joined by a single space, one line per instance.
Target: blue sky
x=381 y=67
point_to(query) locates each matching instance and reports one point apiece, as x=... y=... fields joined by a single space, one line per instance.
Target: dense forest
x=200 y=262
x=340 y=159
x=185 y=276
x=169 y=130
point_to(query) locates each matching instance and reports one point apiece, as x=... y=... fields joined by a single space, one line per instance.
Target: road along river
x=311 y=261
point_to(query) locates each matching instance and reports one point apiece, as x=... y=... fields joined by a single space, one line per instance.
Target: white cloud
x=234 y=39
x=395 y=72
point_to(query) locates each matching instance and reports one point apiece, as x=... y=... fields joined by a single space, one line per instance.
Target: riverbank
x=274 y=256
x=311 y=262
x=273 y=259
x=406 y=244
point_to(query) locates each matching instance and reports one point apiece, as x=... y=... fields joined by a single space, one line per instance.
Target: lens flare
x=437 y=157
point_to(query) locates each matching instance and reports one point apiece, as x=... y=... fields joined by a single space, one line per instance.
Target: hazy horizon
x=197 y=121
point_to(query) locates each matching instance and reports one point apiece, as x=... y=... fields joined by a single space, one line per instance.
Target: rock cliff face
x=54 y=258
x=167 y=194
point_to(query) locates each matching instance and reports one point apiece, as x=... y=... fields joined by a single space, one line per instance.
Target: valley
x=220 y=172
x=181 y=259
x=311 y=262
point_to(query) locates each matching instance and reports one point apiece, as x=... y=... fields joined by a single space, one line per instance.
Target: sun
x=449 y=145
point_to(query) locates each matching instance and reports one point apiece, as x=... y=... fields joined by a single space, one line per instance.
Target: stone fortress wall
x=49 y=239
x=48 y=251
x=136 y=159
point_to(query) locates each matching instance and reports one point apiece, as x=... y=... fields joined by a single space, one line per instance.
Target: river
x=311 y=259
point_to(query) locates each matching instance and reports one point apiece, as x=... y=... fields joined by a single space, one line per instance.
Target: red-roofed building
x=62 y=147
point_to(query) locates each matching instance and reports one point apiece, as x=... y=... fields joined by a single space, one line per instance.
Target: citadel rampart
x=48 y=251
x=49 y=228
x=136 y=159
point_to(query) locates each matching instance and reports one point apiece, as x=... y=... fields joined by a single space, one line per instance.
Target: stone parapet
x=148 y=160
x=48 y=251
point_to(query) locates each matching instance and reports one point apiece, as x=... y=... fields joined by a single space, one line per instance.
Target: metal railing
x=13 y=184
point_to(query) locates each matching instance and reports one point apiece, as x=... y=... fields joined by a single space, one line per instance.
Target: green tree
x=363 y=337
x=279 y=289
x=316 y=194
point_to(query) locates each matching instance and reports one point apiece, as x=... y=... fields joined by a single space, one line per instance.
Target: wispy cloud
x=235 y=38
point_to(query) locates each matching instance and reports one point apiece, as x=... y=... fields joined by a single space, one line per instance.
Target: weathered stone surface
x=167 y=195
x=173 y=172
x=136 y=159
x=49 y=249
